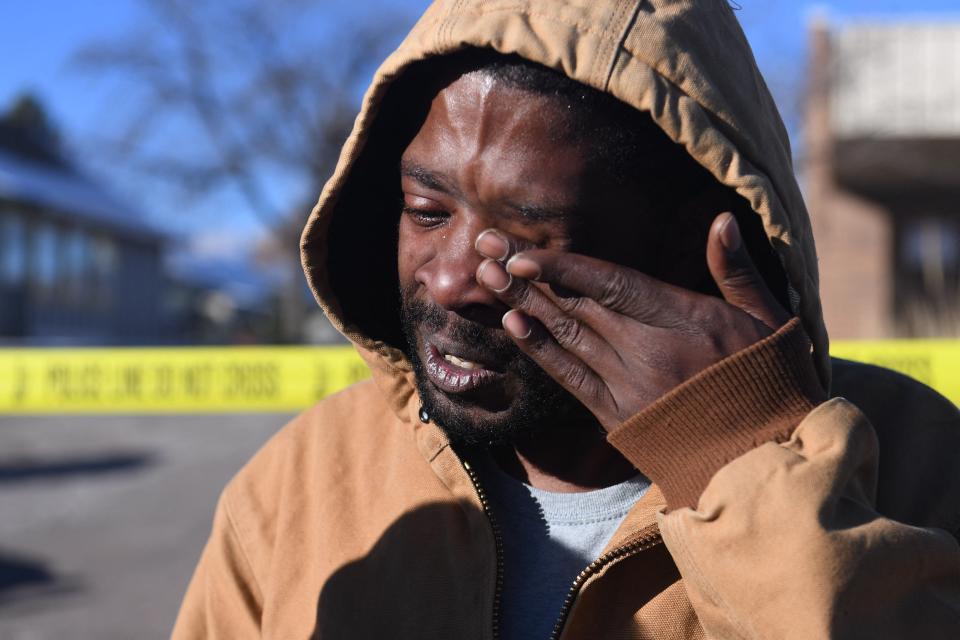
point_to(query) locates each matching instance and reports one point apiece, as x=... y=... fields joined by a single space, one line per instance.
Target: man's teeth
x=464 y=364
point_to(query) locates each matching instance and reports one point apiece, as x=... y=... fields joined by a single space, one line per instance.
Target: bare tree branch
x=229 y=75
x=216 y=96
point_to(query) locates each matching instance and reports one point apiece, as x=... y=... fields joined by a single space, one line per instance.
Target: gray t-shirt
x=548 y=538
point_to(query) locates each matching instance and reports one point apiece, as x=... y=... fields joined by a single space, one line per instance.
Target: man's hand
x=618 y=339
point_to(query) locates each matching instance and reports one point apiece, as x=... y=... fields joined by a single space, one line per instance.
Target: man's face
x=493 y=156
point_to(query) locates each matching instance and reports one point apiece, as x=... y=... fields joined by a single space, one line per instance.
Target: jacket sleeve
x=771 y=517
x=224 y=599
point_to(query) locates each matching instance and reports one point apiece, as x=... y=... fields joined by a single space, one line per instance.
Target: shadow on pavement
x=19 y=572
x=11 y=472
x=27 y=578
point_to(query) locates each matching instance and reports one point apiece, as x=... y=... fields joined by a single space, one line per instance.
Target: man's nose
x=450 y=275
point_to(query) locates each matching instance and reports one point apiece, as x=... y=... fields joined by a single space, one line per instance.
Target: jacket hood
x=685 y=62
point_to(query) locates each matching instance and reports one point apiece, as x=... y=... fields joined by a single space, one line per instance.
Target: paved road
x=103 y=518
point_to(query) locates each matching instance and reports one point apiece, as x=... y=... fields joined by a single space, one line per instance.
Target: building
x=77 y=266
x=881 y=171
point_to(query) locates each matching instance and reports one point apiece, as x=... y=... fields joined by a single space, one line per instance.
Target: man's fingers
x=737 y=277
x=560 y=364
x=577 y=278
x=569 y=332
x=570 y=275
x=557 y=341
x=499 y=246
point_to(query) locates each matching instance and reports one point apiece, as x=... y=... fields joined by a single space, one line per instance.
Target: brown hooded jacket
x=776 y=512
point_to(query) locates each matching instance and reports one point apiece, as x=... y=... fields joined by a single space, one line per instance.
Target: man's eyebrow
x=537 y=213
x=439 y=182
x=427 y=178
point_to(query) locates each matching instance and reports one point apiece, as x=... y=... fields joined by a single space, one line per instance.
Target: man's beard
x=538 y=403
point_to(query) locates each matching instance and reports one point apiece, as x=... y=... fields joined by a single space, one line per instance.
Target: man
x=599 y=403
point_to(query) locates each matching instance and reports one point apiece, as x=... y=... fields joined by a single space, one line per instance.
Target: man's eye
x=425 y=217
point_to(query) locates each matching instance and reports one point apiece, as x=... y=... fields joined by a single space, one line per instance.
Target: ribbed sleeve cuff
x=757 y=395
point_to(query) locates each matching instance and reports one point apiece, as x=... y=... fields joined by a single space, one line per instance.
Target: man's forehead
x=486 y=106
x=473 y=133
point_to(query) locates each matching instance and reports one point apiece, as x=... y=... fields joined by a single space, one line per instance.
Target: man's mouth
x=454 y=372
x=463 y=364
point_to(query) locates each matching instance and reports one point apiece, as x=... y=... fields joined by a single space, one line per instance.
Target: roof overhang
x=923 y=169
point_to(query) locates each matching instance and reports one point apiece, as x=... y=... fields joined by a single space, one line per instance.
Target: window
x=928 y=278
x=104 y=266
x=12 y=248
x=931 y=249
x=44 y=256
x=78 y=266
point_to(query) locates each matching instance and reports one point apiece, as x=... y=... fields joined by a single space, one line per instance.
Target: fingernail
x=523 y=267
x=517 y=324
x=730 y=235
x=492 y=245
x=493 y=275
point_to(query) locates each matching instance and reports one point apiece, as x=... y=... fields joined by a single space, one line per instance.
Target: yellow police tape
x=287 y=379
x=173 y=380
x=934 y=362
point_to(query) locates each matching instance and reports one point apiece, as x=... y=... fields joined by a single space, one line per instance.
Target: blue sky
x=37 y=39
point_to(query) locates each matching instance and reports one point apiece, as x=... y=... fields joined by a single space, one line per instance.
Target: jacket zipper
x=497 y=543
x=642 y=543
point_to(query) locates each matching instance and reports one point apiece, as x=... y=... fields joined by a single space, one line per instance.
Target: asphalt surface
x=103 y=518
